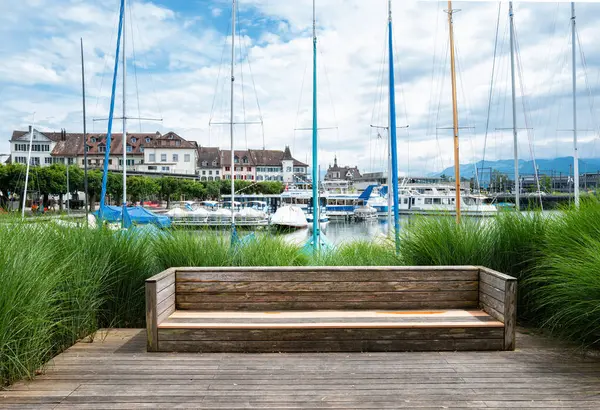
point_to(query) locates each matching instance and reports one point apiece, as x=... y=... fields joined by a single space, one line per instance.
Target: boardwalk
x=115 y=372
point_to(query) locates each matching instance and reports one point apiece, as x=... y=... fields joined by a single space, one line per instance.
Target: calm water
x=339 y=232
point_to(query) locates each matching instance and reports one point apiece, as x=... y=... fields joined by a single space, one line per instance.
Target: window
x=245 y=160
x=110 y=162
x=437 y=201
x=217 y=172
x=129 y=148
x=214 y=163
x=203 y=172
x=175 y=157
x=177 y=143
x=148 y=140
x=288 y=169
x=21 y=160
x=163 y=157
x=87 y=148
x=151 y=168
x=93 y=139
x=210 y=178
x=82 y=162
x=259 y=178
x=141 y=149
x=101 y=148
x=152 y=157
x=187 y=158
x=227 y=168
x=236 y=160
x=249 y=169
x=47 y=160
x=171 y=136
x=209 y=172
x=165 y=168
x=71 y=161
x=203 y=178
x=133 y=140
x=428 y=201
x=204 y=163
x=35 y=161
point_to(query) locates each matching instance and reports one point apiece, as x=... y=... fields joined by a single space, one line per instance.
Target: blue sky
x=181 y=68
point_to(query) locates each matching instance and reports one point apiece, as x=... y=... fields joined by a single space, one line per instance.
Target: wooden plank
x=332 y=325
x=491 y=302
x=165 y=293
x=326 y=275
x=167 y=303
x=442 y=314
x=492 y=291
x=330 y=346
x=151 y=317
x=493 y=273
x=491 y=280
x=162 y=275
x=165 y=282
x=299 y=297
x=510 y=314
x=493 y=312
x=268 y=306
x=331 y=334
x=385 y=286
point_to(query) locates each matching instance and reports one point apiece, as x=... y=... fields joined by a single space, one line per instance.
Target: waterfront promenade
x=115 y=372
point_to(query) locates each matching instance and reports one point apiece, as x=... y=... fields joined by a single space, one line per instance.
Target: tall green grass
x=60 y=284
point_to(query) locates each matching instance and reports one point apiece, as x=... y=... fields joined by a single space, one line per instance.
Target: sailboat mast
x=28 y=166
x=574 y=67
x=454 y=111
x=85 y=164
x=231 y=116
x=392 y=129
x=514 y=107
x=315 y=160
x=124 y=113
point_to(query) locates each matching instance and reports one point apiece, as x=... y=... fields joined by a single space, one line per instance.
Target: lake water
x=340 y=232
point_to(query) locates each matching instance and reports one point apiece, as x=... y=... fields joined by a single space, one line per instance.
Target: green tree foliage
x=142 y=188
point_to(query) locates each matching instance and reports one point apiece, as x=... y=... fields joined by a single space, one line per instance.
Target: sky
x=179 y=56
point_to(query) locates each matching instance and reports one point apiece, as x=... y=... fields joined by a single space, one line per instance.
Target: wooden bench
x=326 y=309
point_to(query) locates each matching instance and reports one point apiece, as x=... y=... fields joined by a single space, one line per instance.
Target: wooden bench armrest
x=160 y=304
x=498 y=298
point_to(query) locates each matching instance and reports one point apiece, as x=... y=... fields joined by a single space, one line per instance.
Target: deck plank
x=116 y=372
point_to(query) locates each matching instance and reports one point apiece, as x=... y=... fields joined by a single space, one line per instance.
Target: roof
x=354 y=172
x=226 y=157
x=208 y=154
x=70 y=144
x=171 y=140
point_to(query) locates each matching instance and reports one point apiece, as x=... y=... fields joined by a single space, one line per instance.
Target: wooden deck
x=116 y=372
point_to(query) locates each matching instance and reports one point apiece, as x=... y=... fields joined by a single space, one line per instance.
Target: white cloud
x=178 y=56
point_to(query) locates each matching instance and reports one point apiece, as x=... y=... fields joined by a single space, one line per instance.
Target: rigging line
x=439 y=108
x=402 y=95
x=328 y=83
x=467 y=111
x=212 y=109
x=106 y=55
x=530 y=135
x=255 y=94
x=585 y=75
x=137 y=88
x=152 y=79
x=241 y=65
x=299 y=107
x=432 y=91
x=491 y=93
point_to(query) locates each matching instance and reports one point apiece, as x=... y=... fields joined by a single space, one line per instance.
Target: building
x=169 y=153
x=336 y=172
x=264 y=165
x=209 y=164
x=157 y=153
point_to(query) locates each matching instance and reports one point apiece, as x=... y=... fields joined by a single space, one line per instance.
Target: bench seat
x=328 y=309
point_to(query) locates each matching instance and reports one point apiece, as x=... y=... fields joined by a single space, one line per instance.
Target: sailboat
x=127 y=216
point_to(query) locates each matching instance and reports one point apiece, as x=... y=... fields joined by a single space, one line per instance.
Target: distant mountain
x=554 y=166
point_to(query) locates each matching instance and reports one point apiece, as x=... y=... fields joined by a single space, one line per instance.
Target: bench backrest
x=307 y=288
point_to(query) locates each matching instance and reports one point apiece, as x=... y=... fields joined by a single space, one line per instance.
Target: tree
x=191 y=189
x=169 y=186
x=94 y=187
x=213 y=189
x=141 y=188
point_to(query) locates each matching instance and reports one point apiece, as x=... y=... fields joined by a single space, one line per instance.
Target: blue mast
x=316 y=234
x=392 y=130
x=111 y=113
